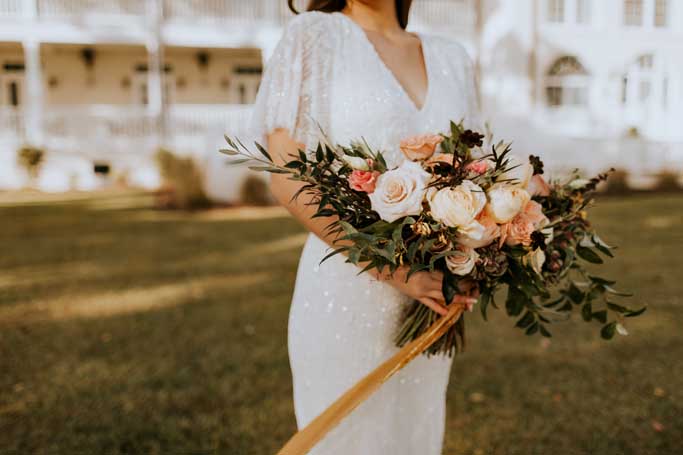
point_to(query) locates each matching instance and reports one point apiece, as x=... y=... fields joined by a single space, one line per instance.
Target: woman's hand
x=425 y=287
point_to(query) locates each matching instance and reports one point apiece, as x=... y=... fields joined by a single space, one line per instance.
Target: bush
x=255 y=191
x=617 y=183
x=31 y=159
x=183 y=182
x=667 y=181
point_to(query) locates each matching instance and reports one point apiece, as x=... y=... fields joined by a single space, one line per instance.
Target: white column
x=155 y=98
x=33 y=80
x=155 y=75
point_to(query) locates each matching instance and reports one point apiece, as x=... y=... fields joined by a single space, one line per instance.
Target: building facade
x=101 y=84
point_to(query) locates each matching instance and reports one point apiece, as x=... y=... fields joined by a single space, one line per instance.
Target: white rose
x=505 y=202
x=400 y=192
x=459 y=207
x=462 y=261
x=535 y=259
x=519 y=172
x=356 y=162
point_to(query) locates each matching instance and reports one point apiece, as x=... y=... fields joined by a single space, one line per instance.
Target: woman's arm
x=422 y=286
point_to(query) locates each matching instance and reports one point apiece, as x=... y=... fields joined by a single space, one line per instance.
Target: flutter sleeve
x=293 y=94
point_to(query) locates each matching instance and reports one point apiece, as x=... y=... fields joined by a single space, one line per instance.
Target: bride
x=350 y=68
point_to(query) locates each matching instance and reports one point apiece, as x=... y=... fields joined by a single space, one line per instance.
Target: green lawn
x=129 y=330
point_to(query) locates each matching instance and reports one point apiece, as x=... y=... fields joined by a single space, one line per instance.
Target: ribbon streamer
x=308 y=437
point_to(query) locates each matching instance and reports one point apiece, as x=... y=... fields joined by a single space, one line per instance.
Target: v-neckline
x=391 y=75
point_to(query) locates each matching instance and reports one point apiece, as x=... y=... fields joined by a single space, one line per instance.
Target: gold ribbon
x=308 y=437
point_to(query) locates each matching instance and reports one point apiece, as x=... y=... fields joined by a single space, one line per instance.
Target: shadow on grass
x=193 y=358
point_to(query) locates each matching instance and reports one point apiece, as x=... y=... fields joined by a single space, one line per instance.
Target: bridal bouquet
x=487 y=220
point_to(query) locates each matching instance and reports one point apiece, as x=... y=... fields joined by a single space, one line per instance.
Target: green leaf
x=575 y=294
x=544 y=331
x=587 y=312
x=588 y=254
x=484 y=300
x=229 y=152
x=615 y=292
x=603 y=281
x=263 y=151
x=634 y=313
x=533 y=328
x=608 y=331
x=526 y=320
x=600 y=316
x=515 y=301
x=449 y=286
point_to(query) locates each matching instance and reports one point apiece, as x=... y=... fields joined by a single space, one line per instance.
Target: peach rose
x=446 y=158
x=519 y=230
x=421 y=147
x=491 y=232
x=538 y=186
x=364 y=181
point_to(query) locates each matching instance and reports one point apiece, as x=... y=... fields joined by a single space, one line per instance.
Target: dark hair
x=331 y=6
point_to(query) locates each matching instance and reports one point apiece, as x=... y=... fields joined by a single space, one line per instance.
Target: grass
x=129 y=330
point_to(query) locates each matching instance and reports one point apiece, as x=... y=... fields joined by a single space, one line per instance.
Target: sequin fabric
x=326 y=73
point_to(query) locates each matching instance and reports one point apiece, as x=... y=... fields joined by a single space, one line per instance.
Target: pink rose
x=538 y=186
x=491 y=232
x=478 y=167
x=519 y=230
x=363 y=180
x=420 y=147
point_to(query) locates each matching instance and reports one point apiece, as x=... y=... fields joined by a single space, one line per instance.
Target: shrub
x=667 y=181
x=182 y=180
x=617 y=183
x=255 y=191
x=31 y=159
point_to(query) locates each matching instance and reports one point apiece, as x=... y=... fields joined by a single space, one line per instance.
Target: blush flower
x=538 y=186
x=364 y=181
x=491 y=231
x=420 y=147
x=478 y=167
x=519 y=230
x=462 y=261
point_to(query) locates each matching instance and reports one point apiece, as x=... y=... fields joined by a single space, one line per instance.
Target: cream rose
x=519 y=172
x=462 y=260
x=505 y=202
x=459 y=207
x=400 y=192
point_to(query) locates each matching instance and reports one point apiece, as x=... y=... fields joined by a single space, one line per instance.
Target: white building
x=101 y=84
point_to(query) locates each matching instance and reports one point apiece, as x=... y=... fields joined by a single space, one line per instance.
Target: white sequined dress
x=325 y=71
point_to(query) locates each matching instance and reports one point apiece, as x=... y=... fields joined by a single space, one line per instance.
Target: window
x=633 y=12
x=661 y=13
x=556 y=10
x=583 y=11
x=646 y=84
x=567 y=83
